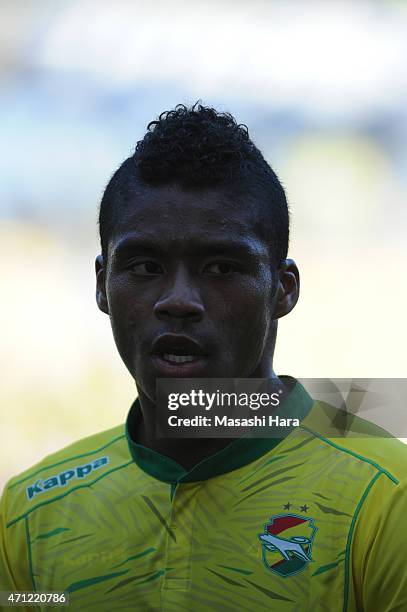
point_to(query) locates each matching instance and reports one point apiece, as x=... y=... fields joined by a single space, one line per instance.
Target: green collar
x=238 y=453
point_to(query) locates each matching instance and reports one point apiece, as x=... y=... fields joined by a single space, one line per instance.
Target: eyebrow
x=131 y=245
x=127 y=246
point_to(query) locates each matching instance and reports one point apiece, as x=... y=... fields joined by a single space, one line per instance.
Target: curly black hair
x=198 y=148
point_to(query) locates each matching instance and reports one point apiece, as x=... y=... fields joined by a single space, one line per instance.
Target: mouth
x=172 y=358
x=175 y=355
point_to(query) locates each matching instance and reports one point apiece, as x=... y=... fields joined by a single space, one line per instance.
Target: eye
x=146 y=268
x=220 y=268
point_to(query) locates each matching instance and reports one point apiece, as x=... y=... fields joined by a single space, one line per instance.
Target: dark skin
x=192 y=263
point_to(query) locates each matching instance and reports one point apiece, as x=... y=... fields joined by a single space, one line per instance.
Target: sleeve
x=379 y=552
x=14 y=558
x=7 y=581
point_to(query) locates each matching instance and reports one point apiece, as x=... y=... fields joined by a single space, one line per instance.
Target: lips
x=176 y=355
x=177 y=345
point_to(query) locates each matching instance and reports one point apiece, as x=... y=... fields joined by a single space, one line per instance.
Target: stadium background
x=322 y=87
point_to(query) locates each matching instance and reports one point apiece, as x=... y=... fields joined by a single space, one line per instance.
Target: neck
x=185 y=451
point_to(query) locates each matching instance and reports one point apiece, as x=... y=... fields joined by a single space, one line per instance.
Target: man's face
x=189 y=286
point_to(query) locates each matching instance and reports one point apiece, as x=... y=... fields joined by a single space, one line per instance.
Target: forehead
x=174 y=216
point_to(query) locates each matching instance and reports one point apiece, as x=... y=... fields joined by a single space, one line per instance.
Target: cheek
x=126 y=313
x=122 y=335
x=127 y=306
x=247 y=319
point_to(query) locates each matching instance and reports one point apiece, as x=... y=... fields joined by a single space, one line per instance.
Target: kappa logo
x=62 y=479
x=290 y=554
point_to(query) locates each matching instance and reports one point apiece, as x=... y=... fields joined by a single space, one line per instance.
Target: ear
x=288 y=289
x=101 y=298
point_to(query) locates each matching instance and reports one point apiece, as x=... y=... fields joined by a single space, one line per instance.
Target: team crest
x=287 y=542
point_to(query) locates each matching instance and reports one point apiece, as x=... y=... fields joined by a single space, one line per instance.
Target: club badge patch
x=287 y=543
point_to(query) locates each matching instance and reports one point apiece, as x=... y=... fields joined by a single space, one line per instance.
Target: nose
x=181 y=299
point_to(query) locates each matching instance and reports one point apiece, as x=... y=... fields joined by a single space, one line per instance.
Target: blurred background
x=322 y=87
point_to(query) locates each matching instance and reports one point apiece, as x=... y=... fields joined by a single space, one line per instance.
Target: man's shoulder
x=85 y=448
x=76 y=465
x=362 y=441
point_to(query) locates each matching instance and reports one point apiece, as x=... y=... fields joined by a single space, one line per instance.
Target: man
x=194 y=275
